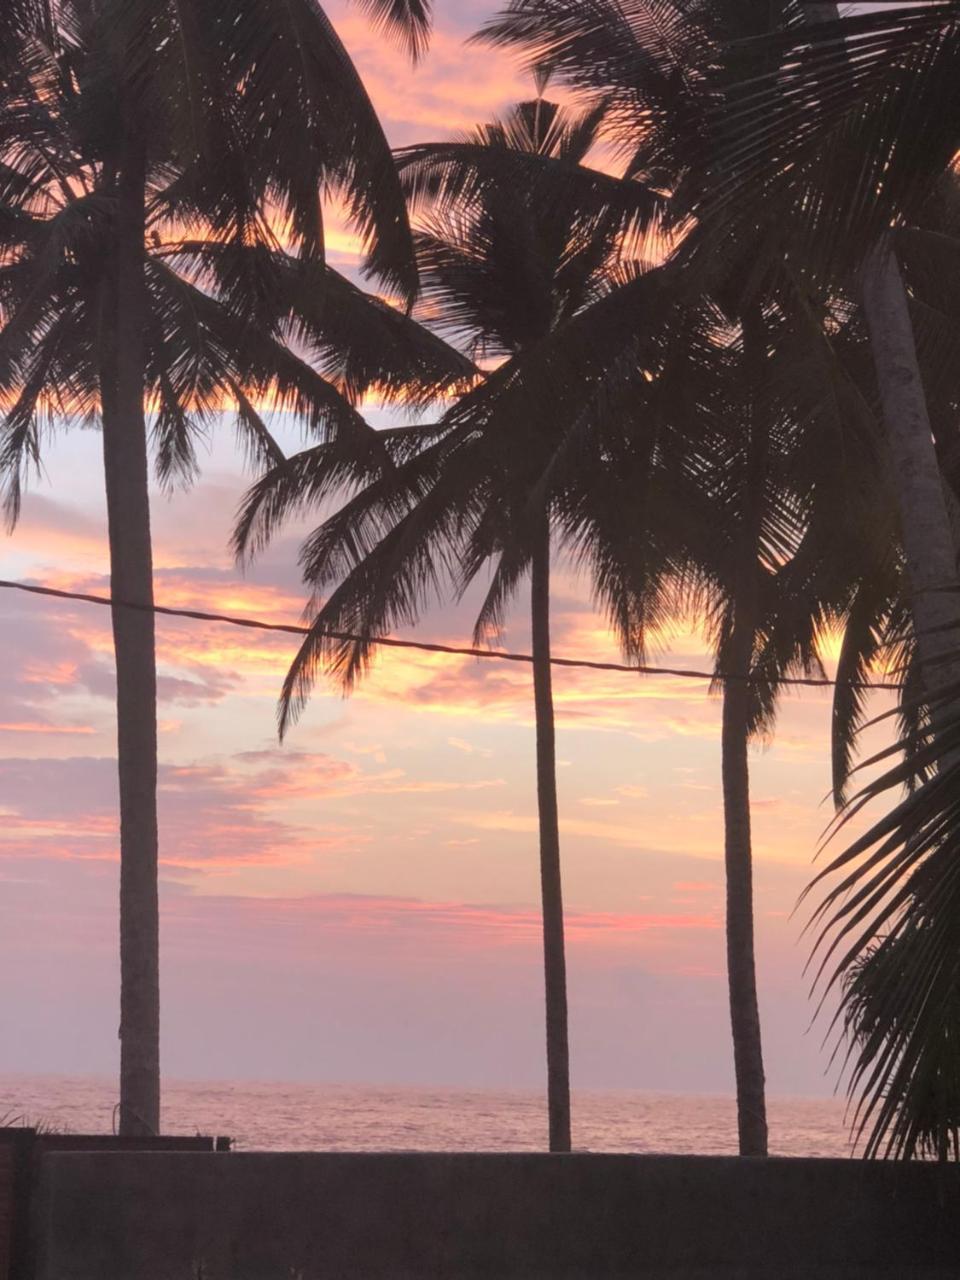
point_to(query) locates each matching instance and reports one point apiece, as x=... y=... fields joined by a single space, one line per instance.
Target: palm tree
x=760 y=503
x=656 y=69
x=758 y=520
x=889 y=902
x=649 y=67
x=121 y=121
x=504 y=265
x=832 y=137
x=507 y=269
x=861 y=151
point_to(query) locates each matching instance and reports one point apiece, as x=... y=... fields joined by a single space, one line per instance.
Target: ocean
x=265 y=1116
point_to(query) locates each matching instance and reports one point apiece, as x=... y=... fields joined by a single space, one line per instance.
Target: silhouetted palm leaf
x=888 y=940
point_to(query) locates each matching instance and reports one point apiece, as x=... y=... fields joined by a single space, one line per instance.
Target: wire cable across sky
x=426 y=646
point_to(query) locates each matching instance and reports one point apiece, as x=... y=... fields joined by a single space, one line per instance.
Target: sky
x=361 y=904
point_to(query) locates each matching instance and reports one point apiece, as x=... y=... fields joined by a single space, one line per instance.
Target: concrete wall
x=492 y=1217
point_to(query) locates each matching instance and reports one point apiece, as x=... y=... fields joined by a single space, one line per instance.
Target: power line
x=425 y=646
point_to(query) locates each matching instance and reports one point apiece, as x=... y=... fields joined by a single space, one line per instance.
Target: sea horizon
x=299 y=1116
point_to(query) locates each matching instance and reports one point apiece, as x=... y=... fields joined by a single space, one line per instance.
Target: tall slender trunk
x=554 y=959
x=125 y=463
x=735 y=736
x=926 y=528
x=738 y=859
x=928 y=542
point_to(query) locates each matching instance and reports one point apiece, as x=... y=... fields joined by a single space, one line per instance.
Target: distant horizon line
x=103 y=1077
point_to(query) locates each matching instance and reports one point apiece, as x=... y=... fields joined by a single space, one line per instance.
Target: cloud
x=66 y=648
x=209 y=815
x=662 y=835
x=633 y=792
x=59 y=532
x=39 y=727
x=40 y=667
x=294 y=773
x=251 y=809
x=461 y=744
x=456 y=86
x=304 y=921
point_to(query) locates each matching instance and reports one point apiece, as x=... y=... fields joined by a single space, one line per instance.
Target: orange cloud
x=56 y=729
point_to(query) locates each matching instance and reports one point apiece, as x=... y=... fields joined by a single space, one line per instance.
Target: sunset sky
x=361 y=904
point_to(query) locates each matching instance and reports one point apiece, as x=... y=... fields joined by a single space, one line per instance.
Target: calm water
x=297 y=1117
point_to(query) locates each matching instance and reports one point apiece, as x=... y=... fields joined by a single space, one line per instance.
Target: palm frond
x=409 y=20
x=849 y=126
x=890 y=907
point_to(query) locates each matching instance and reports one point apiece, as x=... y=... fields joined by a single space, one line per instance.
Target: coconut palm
x=759 y=527
x=889 y=901
x=648 y=65
x=852 y=134
x=504 y=265
x=648 y=482
x=655 y=67
x=123 y=122
x=506 y=269
x=867 y=89
x=764 y=507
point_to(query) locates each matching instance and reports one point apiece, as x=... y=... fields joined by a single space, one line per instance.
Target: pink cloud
x=456 y=87
x=461 y=925
x=209 y=815
x=232 y=813
x=41 y=728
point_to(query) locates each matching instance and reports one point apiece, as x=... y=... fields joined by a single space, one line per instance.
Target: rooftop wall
x=491 y=1217
x=22 y=1151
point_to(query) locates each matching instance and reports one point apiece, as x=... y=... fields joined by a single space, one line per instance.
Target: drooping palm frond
x=550 y=165
x=409 y=20
x=926 y=1120
x=314 y=477
x=20 y=20
x=386 y=572
x=851 y=125
x=887 y=938
x=353 y=338
x=628 y=529
x=858 y=651
x=218 y=349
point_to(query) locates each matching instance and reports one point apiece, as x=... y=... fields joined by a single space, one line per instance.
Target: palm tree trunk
x=735 y=737
x=738 y=858
x=554 y=959
x=122 y=356
x=925 y=521
x=928 y=543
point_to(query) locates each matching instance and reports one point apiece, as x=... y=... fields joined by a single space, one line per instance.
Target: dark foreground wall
x=22 y=1151
x=492 y=1217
